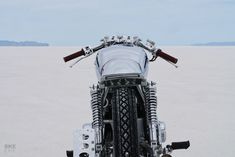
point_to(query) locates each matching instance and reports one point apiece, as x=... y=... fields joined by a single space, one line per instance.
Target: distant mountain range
x=22 y=43
x=216 y=44
x=35 y=43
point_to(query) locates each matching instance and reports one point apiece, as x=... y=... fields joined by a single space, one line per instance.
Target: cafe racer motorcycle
x=123 y=102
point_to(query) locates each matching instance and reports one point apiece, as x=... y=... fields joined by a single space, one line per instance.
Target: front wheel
x=124 y=115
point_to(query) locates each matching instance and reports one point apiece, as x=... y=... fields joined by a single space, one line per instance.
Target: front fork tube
x=151 y=104
x=97 y=115
x=98 y=141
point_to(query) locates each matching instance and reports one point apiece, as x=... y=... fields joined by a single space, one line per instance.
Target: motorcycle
x=123 y=103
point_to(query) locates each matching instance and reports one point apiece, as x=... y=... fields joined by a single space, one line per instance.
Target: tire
x=124 y=115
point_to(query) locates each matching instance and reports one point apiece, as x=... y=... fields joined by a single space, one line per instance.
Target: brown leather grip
x=74 y=55
x=166 y=56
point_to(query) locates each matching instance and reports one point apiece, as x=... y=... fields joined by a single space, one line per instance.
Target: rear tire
x=124 y=115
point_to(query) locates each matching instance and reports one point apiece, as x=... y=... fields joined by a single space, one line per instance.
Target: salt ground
x=42 y=100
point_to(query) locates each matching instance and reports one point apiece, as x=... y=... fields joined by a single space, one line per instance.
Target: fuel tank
x=119 y=59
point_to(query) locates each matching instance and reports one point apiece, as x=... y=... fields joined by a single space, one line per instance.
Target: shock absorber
x=97 y=124
x=151 y=106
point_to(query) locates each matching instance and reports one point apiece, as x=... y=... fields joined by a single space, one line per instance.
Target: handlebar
x=166 y=56
x=74 y=55
x=87 y=51
x=150 y=47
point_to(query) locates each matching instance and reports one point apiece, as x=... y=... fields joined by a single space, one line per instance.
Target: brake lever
x=77 y=61
x=176 y=66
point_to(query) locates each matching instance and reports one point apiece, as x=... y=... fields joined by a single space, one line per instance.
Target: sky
x=85 y=22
